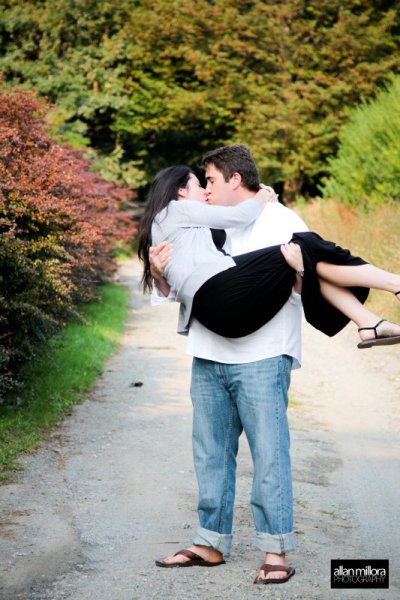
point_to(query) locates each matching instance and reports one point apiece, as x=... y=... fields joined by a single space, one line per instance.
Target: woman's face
x=193 y=190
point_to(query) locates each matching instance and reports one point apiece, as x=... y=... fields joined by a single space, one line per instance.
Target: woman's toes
x=387 y=329
x=384 y=329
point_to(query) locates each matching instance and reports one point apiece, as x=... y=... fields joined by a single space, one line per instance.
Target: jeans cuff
x=277 y=544
x=220 y=541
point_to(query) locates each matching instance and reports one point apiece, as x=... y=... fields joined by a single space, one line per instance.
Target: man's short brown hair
x=234 y=159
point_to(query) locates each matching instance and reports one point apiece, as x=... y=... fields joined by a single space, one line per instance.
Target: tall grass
x=374 y=235
x=62 y=376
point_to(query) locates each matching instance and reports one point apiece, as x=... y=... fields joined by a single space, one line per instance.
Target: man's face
x=218 y=191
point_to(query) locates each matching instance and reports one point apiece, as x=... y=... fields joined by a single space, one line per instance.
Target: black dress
x=240 y=300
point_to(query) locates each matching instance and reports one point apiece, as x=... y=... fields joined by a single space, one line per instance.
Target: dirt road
x=114 y=487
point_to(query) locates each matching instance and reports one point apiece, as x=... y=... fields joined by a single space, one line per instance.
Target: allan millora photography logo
x=359 y=573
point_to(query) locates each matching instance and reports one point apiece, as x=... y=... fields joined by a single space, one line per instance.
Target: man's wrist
x=162 y=286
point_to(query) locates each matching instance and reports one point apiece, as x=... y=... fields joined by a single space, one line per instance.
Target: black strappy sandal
x=378 y=340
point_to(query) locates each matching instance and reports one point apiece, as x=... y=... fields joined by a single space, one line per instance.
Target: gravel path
x=114 y=487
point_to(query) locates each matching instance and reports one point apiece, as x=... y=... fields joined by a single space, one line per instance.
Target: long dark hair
x=163 y=189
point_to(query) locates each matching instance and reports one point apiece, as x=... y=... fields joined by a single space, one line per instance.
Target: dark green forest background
x=146 y=84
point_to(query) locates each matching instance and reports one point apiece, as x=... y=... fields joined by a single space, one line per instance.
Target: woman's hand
x=265 y=194
x=272 y=195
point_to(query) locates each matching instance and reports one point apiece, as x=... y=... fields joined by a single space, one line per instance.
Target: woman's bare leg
x=362 y=276
x=344 y=275
x=334 y=281
x=350 y=306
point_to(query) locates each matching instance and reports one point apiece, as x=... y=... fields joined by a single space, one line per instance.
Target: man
x=242 y=384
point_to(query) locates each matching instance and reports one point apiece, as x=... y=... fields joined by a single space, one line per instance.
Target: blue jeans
x=228 y=399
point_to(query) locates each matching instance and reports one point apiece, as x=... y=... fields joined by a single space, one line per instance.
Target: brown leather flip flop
x=268 y=568
x=195 y=561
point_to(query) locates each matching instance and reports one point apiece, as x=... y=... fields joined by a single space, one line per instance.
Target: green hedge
x=366 y=171
x=59 y=223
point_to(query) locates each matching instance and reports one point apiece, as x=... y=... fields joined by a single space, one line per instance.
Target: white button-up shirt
x=282 y=334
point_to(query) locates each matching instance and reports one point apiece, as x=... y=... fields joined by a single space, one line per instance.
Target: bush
x=59 y=223
x=366 y=171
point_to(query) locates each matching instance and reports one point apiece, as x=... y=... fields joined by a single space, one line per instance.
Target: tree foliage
x=148 y=83
x=366 y=171
x=58 y=226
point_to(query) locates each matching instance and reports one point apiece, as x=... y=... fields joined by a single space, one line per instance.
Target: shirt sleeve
x=199 y=214
x=295 y=297
x=157 y=299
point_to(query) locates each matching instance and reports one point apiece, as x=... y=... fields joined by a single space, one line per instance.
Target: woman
x=234 y=296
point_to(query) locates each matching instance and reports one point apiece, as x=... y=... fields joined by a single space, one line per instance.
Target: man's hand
x=294 y=258
x=159 y=257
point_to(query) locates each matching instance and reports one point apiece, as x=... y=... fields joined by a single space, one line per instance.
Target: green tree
x=148 y=83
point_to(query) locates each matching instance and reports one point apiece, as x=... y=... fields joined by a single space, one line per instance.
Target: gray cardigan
x=195 y=258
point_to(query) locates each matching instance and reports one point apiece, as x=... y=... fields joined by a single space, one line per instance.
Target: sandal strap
x=397 y=293
x=189 y=554
x=268 y=568
x=374 y=329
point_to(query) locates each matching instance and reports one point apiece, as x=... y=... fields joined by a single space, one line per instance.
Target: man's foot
x=209 y=554
x=274 y=559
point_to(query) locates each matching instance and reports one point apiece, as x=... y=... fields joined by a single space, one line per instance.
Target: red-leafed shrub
x=59 y=223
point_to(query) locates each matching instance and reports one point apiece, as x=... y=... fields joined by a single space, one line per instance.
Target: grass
x=61 y=377
x=331 y=513
x=124 y=250
x=293 y=402
x=373 y=235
